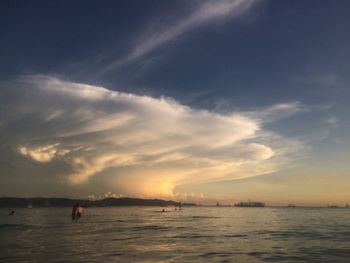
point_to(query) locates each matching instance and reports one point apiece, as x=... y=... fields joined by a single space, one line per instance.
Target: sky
x=203 y=101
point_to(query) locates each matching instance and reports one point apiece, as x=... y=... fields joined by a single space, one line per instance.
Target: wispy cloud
x=276 y=112
x=206 y=12
x=143 y=145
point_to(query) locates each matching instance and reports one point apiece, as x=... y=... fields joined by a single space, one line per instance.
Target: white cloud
x=43 y=154
x=206 y=12
x=276 y=112
x=141 y=145
x=332 y=120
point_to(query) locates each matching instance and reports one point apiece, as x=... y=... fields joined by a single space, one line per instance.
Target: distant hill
x=57 y=202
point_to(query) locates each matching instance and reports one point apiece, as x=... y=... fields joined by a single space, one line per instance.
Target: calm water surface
x=143 y=234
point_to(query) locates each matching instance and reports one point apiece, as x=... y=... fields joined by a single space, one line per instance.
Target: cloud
x=276 y=112
x=138 y=144
x=332 y=120
x=43 y=154
x=206 y=12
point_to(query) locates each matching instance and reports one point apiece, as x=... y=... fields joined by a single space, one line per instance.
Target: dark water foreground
x=143 y=234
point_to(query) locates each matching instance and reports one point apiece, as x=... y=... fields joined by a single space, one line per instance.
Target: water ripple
x=191 y=235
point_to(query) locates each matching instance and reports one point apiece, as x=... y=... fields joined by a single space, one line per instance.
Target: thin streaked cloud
x=206 y=12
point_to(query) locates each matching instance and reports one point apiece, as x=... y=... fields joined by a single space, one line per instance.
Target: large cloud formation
x=147 y=146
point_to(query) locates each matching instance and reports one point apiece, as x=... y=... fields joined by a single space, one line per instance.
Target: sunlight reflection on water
x=199 y=234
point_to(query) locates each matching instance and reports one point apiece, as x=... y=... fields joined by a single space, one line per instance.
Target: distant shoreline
x=17 y=202
x=67 y=202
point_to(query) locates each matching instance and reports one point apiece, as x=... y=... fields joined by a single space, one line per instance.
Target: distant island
x=64 y=202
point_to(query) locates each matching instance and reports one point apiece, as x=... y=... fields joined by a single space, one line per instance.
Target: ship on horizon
x=250 y=204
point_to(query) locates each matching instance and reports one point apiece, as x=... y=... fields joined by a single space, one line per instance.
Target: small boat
x=332 y=206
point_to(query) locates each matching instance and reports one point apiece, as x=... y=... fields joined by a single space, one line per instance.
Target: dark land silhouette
x=62 y=202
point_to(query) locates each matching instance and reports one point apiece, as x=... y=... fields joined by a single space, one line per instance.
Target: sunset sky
x=204 y=101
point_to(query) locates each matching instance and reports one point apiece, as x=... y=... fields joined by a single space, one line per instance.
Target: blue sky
x=254 y=94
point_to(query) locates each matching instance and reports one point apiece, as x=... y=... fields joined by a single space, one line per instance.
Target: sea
x=194 y=234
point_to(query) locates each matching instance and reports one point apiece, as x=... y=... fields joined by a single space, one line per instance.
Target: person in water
x=77 y=212
x=74 y=211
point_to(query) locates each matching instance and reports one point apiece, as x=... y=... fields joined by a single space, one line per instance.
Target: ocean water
x=198 y=234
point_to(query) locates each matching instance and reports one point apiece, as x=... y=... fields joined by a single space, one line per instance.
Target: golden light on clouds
x=151 y=144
